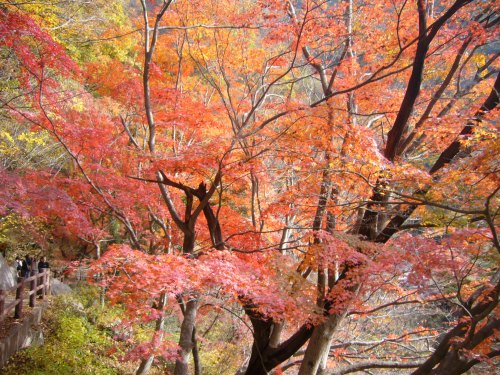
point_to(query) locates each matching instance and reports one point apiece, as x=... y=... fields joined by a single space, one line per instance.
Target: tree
x=269 y=157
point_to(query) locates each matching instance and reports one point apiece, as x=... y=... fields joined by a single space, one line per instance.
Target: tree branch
x=375 y=364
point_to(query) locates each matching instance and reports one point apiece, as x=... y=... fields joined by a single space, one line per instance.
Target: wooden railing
x=29 y=287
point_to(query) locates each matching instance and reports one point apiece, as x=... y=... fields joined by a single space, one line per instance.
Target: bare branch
x=170 y=205
x=374 y=364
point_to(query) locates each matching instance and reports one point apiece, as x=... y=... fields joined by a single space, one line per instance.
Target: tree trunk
x=319 y=346
x=186 y=343
x=446 y=157
x=212 y=220
x=196 y=354
x=146 y=363
x=255 y=203
x=436 y=97
x=275 y=337
x=265 y=358
x=145 y=366
x=453 y=149
x=188 y=242
x=368 y=227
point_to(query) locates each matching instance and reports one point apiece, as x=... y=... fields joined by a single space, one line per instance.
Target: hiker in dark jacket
x=26 y=267
x=43 y=264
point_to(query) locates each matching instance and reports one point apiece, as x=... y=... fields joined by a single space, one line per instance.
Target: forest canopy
x=263 y=187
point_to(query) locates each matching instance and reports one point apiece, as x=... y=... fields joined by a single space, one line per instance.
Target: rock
x=35 y=338
x=57 y=288
x=7 y=278
x=38 y=339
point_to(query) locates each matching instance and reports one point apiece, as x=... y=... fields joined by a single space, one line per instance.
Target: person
x=18 y=265
x=43 y=264
x=34 y=266
x=25 y=268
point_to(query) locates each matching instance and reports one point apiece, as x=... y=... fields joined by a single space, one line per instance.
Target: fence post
x=33 y=290
x=44 y=280
x=2 y=302
x=19 y=297
x=47 y=280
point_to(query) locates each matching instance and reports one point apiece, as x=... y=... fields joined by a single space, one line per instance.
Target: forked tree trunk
x=316 y=354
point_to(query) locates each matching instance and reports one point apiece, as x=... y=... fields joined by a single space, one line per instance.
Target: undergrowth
x=76 y=340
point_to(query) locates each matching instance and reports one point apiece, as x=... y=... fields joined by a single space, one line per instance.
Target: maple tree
x=307 y=163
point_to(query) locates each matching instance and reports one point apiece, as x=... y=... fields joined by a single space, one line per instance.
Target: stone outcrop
x=57 y=288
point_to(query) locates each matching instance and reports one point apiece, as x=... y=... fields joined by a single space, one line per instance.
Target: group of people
x=30 y=265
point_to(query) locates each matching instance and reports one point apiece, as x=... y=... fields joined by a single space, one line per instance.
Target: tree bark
x=188 y=242
x=319 y=346
x=145 y=366
x=275 y=337
x=267 y=358
x=213 y=224
x=435 y=98
x=186 y=343
x=368 y=227
x=196 y=354
x=453 y=149
x=413 y=88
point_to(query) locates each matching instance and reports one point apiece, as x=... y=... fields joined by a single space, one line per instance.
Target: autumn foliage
x=299 y=168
